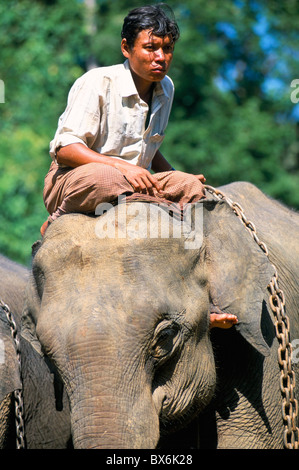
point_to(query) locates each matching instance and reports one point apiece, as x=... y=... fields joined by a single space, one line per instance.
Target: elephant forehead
x=132 y=273
x=72 y=242
x=120 y=226
x=123 y=255
x=127 y=270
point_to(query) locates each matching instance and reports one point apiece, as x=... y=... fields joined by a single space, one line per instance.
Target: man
x=109 y=136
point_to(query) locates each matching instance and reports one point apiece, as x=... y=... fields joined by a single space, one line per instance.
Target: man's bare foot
x=222 y=320
x=44 y=228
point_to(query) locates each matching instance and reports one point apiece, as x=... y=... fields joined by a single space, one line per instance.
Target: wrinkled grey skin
x=126 y=323
x=45 y=427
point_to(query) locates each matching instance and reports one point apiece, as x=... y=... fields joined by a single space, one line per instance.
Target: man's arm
x=74 y=155
x=159 y=163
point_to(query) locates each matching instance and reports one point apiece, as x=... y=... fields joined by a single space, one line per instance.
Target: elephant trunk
x=108 y=386
x=111 y=422
x=111 y=402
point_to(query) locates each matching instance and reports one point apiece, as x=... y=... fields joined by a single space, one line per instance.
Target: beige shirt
x=105 y=113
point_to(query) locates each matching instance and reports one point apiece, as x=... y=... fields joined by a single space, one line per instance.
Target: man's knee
x=182 y=187
x=100 y=171
x=99 y=175
x=105 y=180
x=183 y=178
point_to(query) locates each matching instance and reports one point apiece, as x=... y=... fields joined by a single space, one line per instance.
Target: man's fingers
x=140 y=185
x=143 y=183
x=139 y=178
x=154 y=182
x=201 y=178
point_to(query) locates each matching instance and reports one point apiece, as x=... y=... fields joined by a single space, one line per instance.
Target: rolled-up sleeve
x=81 y=119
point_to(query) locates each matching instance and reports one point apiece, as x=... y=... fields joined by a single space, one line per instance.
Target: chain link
x=282 y=329
x=18 y=395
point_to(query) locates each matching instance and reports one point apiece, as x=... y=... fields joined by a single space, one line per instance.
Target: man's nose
x=159 y=55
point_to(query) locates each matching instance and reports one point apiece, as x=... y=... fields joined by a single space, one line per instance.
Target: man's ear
x=238 y=270
x=125 y=49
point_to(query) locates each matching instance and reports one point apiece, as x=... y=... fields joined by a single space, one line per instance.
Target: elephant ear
x=29 y=316
x=239 y=271
x=31 y=308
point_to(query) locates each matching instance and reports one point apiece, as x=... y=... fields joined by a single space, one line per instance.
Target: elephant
x=45 y=427
x=122 y=311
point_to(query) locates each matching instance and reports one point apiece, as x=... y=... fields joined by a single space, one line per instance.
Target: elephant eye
x=165 y=339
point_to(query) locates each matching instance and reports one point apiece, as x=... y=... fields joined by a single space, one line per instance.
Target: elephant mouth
x=178 y=412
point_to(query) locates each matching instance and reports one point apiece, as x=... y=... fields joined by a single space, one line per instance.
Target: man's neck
x=144 y=88
x=147 y=95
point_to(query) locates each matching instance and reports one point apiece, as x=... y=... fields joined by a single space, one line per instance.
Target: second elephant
x=44 y=426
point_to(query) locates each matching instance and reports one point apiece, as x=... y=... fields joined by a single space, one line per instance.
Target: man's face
x=150 y=57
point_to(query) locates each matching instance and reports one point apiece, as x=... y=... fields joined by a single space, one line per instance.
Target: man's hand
x=139 y=178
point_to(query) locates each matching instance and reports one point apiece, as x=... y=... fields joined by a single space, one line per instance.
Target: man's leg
x=180 y=187
x=81 y=189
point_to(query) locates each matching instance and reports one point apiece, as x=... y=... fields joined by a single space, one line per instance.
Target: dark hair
x=159 y=19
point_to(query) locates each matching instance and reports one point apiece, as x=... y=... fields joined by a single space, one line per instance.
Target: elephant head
x=125 y=320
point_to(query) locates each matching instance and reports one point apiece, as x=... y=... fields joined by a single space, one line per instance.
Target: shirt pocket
x=125 y=126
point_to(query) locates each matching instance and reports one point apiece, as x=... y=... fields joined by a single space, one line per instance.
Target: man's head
x=153 y=18
x=148 y=39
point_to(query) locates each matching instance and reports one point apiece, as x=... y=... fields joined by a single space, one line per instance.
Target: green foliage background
x=232 y=117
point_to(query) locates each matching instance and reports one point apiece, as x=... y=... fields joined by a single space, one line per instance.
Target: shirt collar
x=128 y=87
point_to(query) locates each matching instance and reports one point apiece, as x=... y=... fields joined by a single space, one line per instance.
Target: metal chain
x=18 y=395
x=282 y=329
